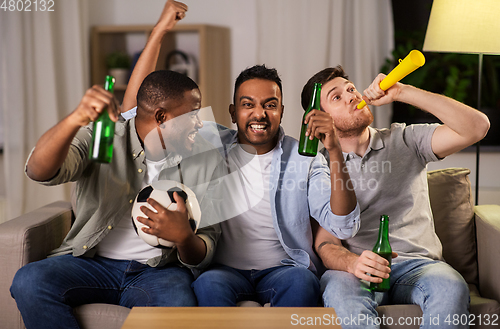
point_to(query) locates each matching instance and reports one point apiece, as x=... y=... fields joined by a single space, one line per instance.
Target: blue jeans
x=47 y=290
x=280 y=286
x=435 y=286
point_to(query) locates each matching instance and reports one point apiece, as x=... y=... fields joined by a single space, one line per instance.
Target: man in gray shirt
x=387 y=169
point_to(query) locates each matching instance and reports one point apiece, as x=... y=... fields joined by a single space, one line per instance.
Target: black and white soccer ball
x=163 y=192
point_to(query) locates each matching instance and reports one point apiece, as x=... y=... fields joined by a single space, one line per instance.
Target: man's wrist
x=335 y=153
x=74 y=121
x=351 y=263
x=159 y=32
x=189 y=240
x=403 y=93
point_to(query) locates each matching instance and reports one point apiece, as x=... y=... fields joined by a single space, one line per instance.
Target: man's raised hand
x=94 y=102
x=173 y=11
x=320 y=125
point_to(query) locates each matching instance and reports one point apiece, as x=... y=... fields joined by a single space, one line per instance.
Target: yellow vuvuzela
x=412 y=61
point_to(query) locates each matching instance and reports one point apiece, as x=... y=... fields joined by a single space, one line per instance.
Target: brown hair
x=322 y=77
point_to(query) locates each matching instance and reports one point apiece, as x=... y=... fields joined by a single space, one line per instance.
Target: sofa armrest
x=488 y=249
x=28 y=238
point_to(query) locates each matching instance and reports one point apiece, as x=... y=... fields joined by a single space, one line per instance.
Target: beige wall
x=2 y=190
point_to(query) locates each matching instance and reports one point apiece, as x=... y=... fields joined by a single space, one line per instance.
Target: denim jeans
x=280 y=286
x=47 y=290
x=435 y=286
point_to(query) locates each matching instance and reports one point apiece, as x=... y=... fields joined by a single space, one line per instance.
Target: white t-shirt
x=249 y=241
x=122 y=242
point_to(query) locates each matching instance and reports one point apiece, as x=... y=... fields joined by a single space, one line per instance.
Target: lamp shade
x=464 y=26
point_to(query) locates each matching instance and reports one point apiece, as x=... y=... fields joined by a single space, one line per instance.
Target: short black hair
x=257 y=72
x=161 y=85
x=322 y=77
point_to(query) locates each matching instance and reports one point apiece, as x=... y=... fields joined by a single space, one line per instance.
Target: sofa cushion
x=449 y=191
x=97 y=316
x=479 y=307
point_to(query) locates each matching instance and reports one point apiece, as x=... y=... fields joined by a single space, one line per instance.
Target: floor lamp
x=465 y=26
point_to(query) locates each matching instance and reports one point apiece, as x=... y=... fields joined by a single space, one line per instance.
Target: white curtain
x=43 y=74
x=301 y=37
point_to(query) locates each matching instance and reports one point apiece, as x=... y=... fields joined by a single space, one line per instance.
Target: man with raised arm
x=387 y=169
x=102 y=259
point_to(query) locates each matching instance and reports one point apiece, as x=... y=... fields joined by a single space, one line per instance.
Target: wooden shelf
x=120 y=87
x=213 y=59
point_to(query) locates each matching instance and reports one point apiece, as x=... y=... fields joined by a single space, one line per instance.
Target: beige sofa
x=470 y=237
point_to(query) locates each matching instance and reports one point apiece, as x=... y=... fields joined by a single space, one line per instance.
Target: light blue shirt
x=300 y=188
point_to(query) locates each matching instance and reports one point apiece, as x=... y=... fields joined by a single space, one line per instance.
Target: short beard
x=348 y=129
x=351 y=132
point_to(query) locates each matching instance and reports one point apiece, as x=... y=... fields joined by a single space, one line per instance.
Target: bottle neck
x=315 y=101
x=312 y=102
x=109 y=84
x=383 y=232
x=317 y=98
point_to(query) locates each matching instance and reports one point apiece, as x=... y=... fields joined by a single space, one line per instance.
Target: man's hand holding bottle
x=93 y=103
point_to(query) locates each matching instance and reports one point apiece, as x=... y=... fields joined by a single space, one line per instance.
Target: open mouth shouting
x=258 y=127
x=192 y=136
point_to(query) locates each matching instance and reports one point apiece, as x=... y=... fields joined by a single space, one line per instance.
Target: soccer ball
x=163 y=193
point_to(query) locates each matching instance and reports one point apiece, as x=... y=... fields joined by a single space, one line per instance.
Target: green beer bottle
x=101 y=147
x=307 y=146
x=383 y=248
